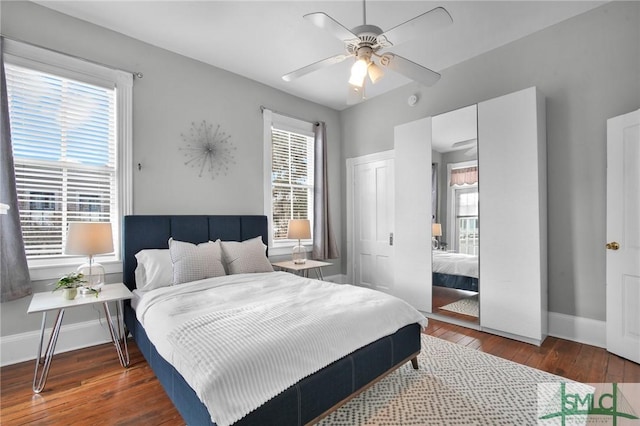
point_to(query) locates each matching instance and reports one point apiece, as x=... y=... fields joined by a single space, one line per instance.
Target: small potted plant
x=69 y=285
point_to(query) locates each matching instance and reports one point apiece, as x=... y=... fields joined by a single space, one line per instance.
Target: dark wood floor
x=88 y=386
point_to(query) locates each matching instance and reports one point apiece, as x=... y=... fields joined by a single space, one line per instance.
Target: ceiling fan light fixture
x=358 y=72
x=375 y=72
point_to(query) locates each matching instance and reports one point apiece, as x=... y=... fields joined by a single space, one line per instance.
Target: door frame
x=351 y=164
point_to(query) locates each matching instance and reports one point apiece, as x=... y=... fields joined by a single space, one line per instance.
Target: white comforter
x=240 y=340
x=455 y=264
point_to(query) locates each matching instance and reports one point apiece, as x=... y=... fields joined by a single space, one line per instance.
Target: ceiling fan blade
x=409 y=69
x=461 y=144
x=326 y=22
x=355 y=94
x=433 y=20
x=315 y=66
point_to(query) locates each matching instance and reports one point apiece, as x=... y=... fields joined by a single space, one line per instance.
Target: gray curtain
x=15 y=281
x=434 y=193
x=325 y=245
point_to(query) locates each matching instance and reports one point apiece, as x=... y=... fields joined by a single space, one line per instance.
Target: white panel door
x=623 y=236
x=373 y=195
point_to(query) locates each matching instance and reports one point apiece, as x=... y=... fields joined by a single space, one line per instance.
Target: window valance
x=467 y=175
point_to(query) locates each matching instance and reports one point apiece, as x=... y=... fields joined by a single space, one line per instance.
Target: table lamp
x=299 y=229
x=89 y=239
x=436 y=231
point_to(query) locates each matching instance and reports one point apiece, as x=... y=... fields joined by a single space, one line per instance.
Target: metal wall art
x=208 y=150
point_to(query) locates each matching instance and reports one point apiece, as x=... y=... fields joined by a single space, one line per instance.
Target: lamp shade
x=299 y=229
x=89 y=238
x=436 y=230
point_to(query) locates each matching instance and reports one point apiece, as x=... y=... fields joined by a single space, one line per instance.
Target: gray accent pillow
x=245 y=257
x=195 y=262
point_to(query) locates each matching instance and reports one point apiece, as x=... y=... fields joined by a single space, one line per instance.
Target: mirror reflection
x=454 y=221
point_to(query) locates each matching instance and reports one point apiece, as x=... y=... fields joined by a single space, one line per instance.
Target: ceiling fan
x=470 y=146
x=365 y=43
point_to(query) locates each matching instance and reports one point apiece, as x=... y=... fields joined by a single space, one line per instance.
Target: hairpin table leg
x=40 y=379
x=118 y=337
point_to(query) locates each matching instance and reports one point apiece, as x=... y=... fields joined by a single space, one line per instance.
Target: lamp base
x=299 y=255
x=90 y=290
x=93 y=273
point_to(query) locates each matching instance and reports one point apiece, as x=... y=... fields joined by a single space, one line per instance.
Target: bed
x=455 y=270
x=303 y=402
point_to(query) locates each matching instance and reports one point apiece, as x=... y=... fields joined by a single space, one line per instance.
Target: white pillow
x=245 y=257
x=154 y=269
x=195 y=262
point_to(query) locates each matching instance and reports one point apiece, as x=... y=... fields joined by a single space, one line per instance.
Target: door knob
x=613 y=246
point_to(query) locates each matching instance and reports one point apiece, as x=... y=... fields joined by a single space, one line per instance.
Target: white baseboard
x=338 y=279
x=578 y=329
x=24 y=346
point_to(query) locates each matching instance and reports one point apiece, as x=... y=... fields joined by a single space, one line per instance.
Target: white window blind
x=292 y=166
x=65 y=153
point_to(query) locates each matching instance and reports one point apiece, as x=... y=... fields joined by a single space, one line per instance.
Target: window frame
x=48 y=61
x=293 y=125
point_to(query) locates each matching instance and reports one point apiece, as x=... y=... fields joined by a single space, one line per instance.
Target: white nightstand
x=303 y=269
x=53 y=301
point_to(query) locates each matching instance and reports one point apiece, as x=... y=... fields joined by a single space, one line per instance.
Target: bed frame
x=460 y=282
x=304 y=402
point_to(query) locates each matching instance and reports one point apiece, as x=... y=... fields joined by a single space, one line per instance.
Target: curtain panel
x=15 y=281
x=325 y=245
x=434 y=192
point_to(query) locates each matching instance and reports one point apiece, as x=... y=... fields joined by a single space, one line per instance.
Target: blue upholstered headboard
x=153 y=232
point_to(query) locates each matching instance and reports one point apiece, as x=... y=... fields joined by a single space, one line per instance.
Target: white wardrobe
x=512 y=215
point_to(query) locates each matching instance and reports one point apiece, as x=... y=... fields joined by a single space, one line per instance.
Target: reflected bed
x=455 y=270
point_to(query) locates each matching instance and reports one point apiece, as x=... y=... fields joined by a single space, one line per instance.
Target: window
x=463 y=191
x=70 y=126
x=289 y=152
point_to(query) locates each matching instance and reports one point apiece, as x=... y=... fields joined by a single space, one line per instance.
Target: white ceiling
x=458 y=126
x=262 y=40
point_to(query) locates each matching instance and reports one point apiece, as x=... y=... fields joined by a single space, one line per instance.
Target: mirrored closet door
x=454 y=218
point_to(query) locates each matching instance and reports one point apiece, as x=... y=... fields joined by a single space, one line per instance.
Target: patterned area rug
x=468 y=306
x=454 y=385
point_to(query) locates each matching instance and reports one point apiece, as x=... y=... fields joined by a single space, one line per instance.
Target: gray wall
x=174 y=92
x=589 y=69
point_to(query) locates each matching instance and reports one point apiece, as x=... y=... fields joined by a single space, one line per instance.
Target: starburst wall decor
x=208 y=150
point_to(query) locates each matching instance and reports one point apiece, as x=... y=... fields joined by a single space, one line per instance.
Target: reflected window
x=463 y=216
x=466 y=220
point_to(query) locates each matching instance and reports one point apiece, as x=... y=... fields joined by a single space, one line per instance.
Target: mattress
x=455 y=264
x=255 y=335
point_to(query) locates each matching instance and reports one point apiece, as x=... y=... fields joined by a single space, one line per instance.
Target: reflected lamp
x=436 y=231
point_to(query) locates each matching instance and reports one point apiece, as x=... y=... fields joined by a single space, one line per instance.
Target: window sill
x=286 y=249
x=54 y=271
